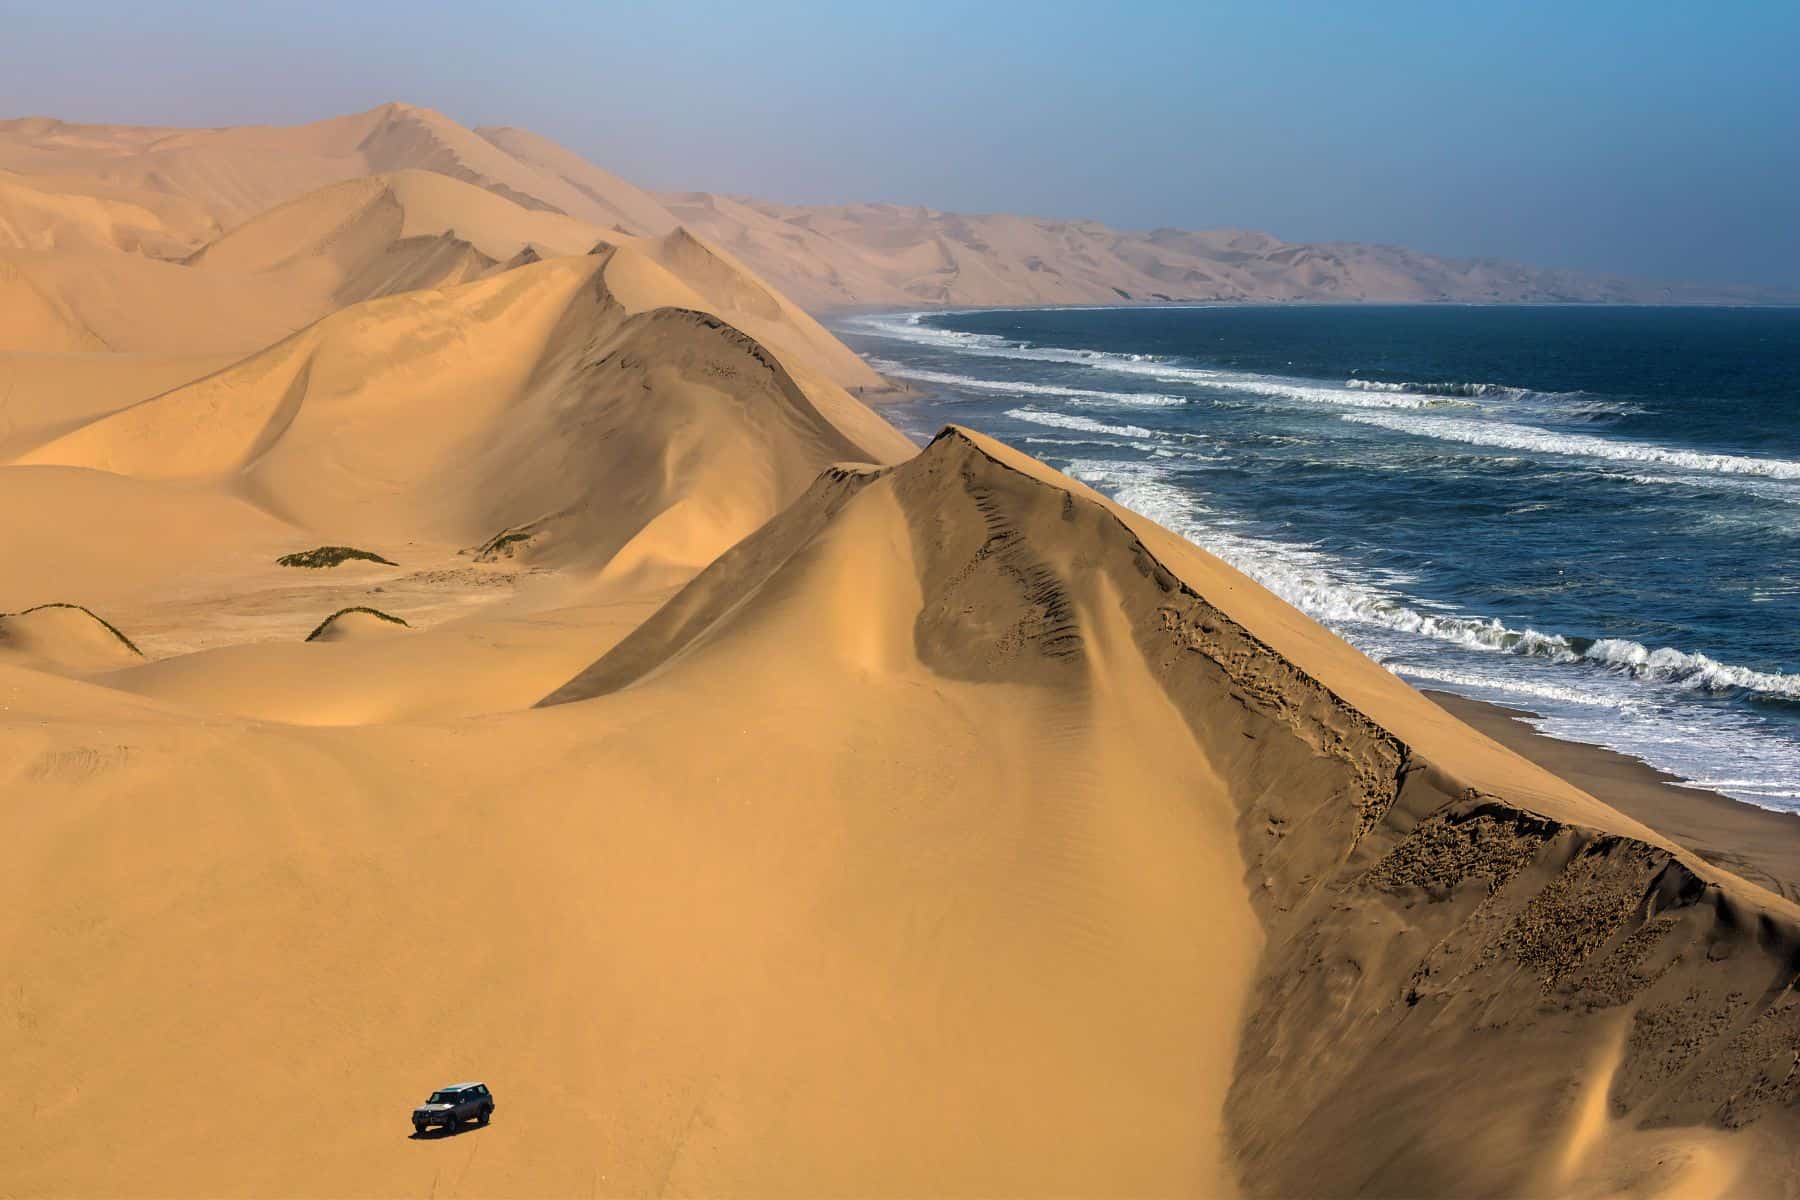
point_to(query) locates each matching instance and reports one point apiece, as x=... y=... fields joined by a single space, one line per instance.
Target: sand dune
x=130 y=304
x=285 y=268
x=38 y=321
x=239 y=172
x=1090 y=866
x=821 y=256
x=38 y=213
x=886 y=254
x=64 y=637
x=535 y=401
x=385 y=234
x=733 y=292
x=760 y=804
x=399 y=206
x=622 y=207
x=43 y=395
x=1432 y=905
x=361 y=239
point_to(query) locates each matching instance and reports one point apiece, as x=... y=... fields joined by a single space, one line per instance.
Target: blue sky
x=1655 y=139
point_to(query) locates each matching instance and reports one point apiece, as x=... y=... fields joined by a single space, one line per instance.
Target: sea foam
x=1505 y=435
x=1081 y=424
x=1330 y=591
x=1008 y=387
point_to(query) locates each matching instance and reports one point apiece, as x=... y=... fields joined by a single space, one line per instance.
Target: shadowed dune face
x=534 y=401
x=1530 y=1005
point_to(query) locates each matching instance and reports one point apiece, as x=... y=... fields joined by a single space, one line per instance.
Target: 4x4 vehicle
x=451 y=1106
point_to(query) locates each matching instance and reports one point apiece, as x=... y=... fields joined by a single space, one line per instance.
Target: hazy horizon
x=1652 y=141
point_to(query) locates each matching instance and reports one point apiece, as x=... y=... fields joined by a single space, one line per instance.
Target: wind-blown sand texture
x=760 y=804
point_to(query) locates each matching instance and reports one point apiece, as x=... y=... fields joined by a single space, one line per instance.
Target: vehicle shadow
x=438 y=1133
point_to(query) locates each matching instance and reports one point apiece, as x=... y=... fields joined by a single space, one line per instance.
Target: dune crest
x=65 y=637
x=237 y=172
x=788 y=809
x=539 y=397
x=834 y=256
x=618 y=206
x=47 y=214
x=1431 y=904
x=821 y=256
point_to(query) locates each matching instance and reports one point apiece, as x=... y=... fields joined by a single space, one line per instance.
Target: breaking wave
x=911 y=327
x=1695 y=672
x=1021 y=387
x=1326 y=589
x=1507 y=436
x=1675 y=707
x=1080 y=424
x=1468 y=391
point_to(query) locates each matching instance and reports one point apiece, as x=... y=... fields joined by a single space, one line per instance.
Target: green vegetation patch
x=330 y=556
x=360 y=608
x=502 y=544
x=106 y=624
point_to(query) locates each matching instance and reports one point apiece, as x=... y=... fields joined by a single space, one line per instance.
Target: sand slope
x=804 y=909
x=762 y=805
x=621 y=207
x=732 y=291
x=44 y=394
x=587 y=405
x=281 y=270
x=1433 y=905
x=235 y=173
x=46 y=213
x=820 y=256
x=955 y=808
x=64 y=638
x=35 y=320
x=397 y=206
x=360 y=239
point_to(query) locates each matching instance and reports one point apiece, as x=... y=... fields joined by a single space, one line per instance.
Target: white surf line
x=1506 y=436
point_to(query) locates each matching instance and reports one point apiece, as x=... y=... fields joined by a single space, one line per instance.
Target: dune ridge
x=65 y=637
x=761 y=803
x=1429 y=900
x=822 y=256
x=565 y=379
x=237 y=172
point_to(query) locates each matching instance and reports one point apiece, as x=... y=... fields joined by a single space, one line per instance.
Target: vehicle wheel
x=419 y=1130
x=483 y=1118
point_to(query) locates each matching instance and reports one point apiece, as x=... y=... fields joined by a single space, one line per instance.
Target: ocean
x=1590 y=513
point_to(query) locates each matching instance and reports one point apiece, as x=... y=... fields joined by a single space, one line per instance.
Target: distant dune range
x=165 y=189
x=761 y=804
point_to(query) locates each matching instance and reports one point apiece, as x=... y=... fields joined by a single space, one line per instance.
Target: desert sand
x=169 y=192
x=759 y=803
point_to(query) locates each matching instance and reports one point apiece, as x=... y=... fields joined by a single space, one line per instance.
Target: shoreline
x=1758 y=844
x=830 y=312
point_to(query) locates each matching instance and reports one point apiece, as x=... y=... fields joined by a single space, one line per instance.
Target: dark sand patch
x=1756 y=843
